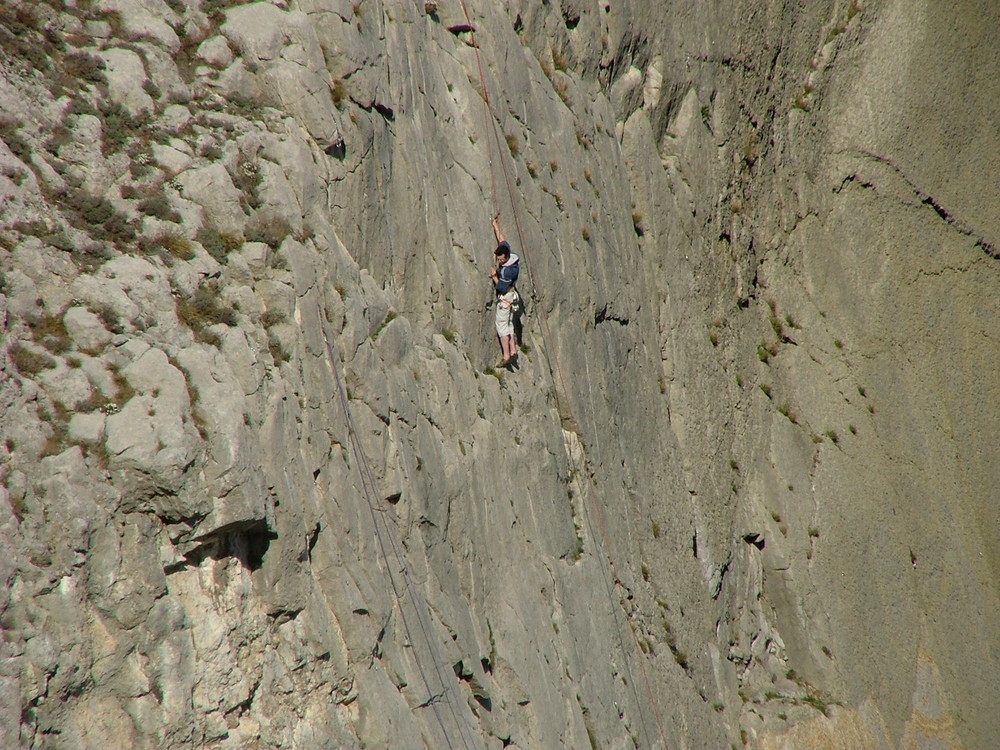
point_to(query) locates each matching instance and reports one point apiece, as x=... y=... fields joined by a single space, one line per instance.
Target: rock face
x=262 y=489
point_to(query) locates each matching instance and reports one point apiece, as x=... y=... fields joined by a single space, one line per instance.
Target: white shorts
x=505 y=314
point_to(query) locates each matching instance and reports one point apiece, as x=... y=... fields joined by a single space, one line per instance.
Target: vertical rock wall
x=262 y=487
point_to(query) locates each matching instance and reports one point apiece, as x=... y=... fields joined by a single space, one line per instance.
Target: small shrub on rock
x=338 y=92
x=98 y=217
x=8 y=133
x=97 y=401
x=272 y=318
x=159 y=207
x=218 y=244
x=119 y=127
x=28 y=361
x=123 y=389
x=202 y=310
x=109 y=318
x=210 y=151
x=50 y=331
x=152 y=89
x=278 y=352
x=269 y=230
x=168 y=245
x=84 y=66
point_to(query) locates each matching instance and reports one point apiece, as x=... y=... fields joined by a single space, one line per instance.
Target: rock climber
x=504 y=277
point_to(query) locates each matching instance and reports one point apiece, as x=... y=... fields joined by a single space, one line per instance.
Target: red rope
x=487 y=110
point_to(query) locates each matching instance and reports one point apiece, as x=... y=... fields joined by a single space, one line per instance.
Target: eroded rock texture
x=261 y=487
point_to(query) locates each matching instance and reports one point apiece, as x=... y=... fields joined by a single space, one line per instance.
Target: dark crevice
x=602 y=316
x=432 y=699
x=938 y=209
x=484 y=701
x=926 y=199
x=383 y=109
x=722 y=578
x=337 y=149
x=313 y=538
x=247 y=541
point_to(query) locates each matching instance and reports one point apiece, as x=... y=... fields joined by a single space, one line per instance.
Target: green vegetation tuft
x=391 y=316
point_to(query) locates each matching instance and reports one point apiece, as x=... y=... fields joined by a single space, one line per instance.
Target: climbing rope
x=399 y=581
x=561 y=393
x=486 y=110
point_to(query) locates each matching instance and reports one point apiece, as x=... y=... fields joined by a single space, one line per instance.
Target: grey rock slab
x=304 y=263
x=86 y=329
x=132 y=441
x=255 y=255
x=125 y=72
x=68 y=386
x=257 y=30
x=307 y=94
x=215 y=51
x=238 y=83
x=87 y=428
x=244 y=360
x=128 y=597
x=143 y=19
x=212 y=189
x=176 y=117
x=171 y=160
x=76 y=509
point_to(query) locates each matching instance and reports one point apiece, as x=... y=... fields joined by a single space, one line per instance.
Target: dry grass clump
x=95 y=215
x=271 y=230
x=50 y=331
x=219 y=244
x=158 y=206
x=168 y=245
x=28 y=361
x=84 y=66
x=272 y=318
x=203 y=310
x=9 y=135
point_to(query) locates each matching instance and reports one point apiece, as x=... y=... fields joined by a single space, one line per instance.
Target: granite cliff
x=261 y=487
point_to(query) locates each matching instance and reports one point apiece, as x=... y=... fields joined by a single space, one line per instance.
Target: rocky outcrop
x=262 y=488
